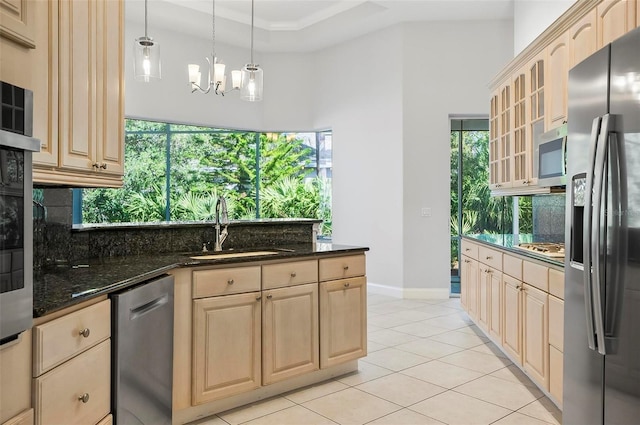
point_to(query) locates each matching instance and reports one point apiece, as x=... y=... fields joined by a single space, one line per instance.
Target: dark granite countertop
x=57 y=287
x=509 y=242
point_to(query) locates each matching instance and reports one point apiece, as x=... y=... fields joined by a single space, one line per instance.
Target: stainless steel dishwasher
x=142 y=358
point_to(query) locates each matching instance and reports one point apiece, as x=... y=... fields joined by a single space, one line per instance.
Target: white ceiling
x=304 y=25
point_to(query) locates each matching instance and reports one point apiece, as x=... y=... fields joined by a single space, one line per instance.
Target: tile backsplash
x=548 y=218
x=57 y=241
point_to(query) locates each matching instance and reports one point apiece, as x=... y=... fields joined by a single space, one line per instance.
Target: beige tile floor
x=427 y=364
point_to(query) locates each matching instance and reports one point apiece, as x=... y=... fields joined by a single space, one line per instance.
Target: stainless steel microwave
x=550 y=157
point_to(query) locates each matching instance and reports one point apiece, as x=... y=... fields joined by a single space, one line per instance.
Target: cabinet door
x=110 y=87
x=615 y=18
x=470 y=274
x=77 y=83
x=343 y=321
x=512 y=317
x=494 y=141
x=583 y=38
x=484 y=297
x=557 y=80
x=536 y=103
x=505 y=171
x=555 y=374
x=17 y=22
x=495 y=312
x=226 y=346
x=522 y=147
x=15 y=377
x=556 y=322
x=290 y=332
x=535 y=353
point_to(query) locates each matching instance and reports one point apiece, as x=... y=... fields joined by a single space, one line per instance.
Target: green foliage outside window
x=205 y=163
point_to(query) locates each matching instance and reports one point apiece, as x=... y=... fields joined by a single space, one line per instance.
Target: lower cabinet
x=226 y=346
x=512 y=316
x=556 y=347
x=72 y=367
x=495 y=310
x=290 y=341
x=343 y=320
x=469 y=281
x=15 y=380
x=535 y=352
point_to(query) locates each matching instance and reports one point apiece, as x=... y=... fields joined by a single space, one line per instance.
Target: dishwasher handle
x=143 y=309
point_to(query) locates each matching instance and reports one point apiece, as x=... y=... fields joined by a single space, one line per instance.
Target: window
x=176 y=172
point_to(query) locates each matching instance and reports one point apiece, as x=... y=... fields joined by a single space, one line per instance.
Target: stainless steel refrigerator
x=602 y=268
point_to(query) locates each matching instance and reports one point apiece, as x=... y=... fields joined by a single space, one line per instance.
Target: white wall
x=447 y=67
x=359 y=95
x=532 y=17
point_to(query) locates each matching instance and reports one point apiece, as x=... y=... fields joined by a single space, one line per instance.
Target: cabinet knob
x=230 y=281
x=526 y=182
x=84 y=332
x=345 y=268
x=269 y=296
x=293 y=274
x=346 y=285
x=95 y=165
x=467 y=261
x=467 y=249
x=489 y=257
x=103 y=165
x=258 y=298
x=84 y=397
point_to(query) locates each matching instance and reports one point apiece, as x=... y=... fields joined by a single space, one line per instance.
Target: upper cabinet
x=494 y=157
x=583 y=38
x=17 y=22
x=615 y=18
x=505 y=176
x=522 y=166
x=83 y=132
x=557 y=80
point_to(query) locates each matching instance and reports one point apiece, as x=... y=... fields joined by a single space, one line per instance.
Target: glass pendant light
x=146 y=53
x=252 y=75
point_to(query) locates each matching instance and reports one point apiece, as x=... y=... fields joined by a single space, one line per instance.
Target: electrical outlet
x=426 y=212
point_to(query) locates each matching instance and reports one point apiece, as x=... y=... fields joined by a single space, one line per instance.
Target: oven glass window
x=11 y=220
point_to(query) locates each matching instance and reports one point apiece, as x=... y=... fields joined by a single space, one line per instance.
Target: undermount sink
x=233 y=255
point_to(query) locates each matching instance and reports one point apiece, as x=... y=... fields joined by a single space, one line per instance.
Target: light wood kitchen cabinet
x=583 y=38
x=522 y=147
x=536 y=95
x=495 y=305
x=556 y=346
x=341 y=267
x=343 y=320
x=290 y=332
x=85 y=96
x=226 y=346
x=638 y=13
x=614 y=19
x=512 y=317
x=470 y=279
x=556 y=371
x=15 y=379
x=535 y=350
x=494 y=141
x=505 y=174
x=78 y=391
x=557 y=81
x=484 y=297
x=17 y=22
x=72 y=366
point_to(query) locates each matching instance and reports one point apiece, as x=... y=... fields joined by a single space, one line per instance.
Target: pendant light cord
x=213 y=30
x=145 y=19
x=252 y=32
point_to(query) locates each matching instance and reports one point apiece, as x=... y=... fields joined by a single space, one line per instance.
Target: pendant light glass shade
x=146 y=63
x=251 y=83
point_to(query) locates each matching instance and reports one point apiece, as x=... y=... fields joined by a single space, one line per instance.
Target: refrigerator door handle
x=597 y=254
x=588 y=213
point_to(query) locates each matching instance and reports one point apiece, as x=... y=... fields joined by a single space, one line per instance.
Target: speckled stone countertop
x=510 y=242
x=57 y=287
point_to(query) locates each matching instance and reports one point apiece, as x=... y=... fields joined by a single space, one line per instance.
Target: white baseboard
x=409 y=293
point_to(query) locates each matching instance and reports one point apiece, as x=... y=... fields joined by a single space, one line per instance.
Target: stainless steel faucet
x=221 y=207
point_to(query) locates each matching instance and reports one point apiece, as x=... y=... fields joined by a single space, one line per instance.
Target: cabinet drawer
x=24 y=418
x=536 y=275
x=469 y=249
x=490 y=257
x=210 y=283
x=57 y=392
x=556 y=322
x=289 y=274
x=61 y=339
x=342 y=267
x=556 y=283
x=512 y=266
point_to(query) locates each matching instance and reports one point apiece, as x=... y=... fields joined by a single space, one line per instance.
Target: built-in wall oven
x=16 y=200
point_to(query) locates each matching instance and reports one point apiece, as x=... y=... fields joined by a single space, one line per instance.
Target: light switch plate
x=426 y=212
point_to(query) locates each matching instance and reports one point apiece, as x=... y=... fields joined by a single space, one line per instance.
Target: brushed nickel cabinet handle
x=269 y=296
x=84 y=332
x=95 y=165
x=84 y=397
x=258 y=298
x=293 y=274
x=230 y=281
x=346 y=285
x=103 y=165
x=345 y=268
x=467 y=249
x=489 y=257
